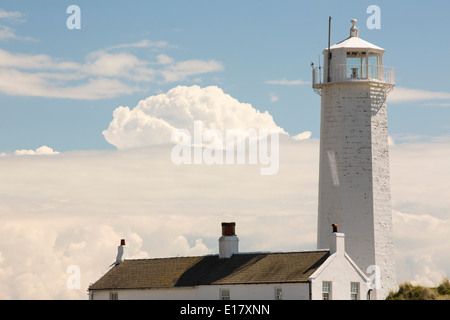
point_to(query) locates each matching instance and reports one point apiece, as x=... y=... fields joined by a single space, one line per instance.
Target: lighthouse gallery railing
x=342 y=73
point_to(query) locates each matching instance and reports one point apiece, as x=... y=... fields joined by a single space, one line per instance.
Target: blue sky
x=253 y=41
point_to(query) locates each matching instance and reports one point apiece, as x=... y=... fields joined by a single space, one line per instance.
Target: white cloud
x=15 y=82
x=437 y=104
x=154 y=119
x=420 y=239
x=39 y=61
x=102 y=75
x=10 y=14
x=285 y=82
x=181 y=70
x=401 y=94
x=44 y=150
x=391 y=141
x=113 y=65
x=74 y=209
x=164 y=59
x=422 y=160
x=273 y=97
x=182 y=247
x=141 y=44
x=302 y=136
x=7 y=33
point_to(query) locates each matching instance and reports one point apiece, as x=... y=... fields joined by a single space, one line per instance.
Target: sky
x=87 y=115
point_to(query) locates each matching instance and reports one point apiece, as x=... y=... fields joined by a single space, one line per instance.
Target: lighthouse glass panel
x=356 y=65
x=362 y=65
x=373 y=67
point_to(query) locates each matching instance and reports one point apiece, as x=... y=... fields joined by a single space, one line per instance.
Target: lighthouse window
x=373 y=66
x=356 y=62
x=373 y=59
x=355 y=68
x=362 y=65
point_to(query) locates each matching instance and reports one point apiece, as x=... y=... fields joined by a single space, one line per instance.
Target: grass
x=407 y=291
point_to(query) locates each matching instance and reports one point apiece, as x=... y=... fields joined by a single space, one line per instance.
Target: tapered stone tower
x=354 y=183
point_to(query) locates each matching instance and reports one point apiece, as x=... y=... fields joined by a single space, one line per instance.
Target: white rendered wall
x=188 y=293
x=341 y=272
x=354 y=187
x=384 y=246
x=290 y=291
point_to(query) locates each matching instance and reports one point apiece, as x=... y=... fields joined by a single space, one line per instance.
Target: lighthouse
x=354 y=183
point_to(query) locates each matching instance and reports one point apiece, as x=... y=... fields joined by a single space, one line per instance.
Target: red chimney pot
x=228 y=228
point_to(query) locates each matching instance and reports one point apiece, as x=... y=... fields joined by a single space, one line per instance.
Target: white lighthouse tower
x=354 y=183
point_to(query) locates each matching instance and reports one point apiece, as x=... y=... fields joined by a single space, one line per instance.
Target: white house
x=302 y=275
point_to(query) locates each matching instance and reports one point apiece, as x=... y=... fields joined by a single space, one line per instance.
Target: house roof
x=241 y=268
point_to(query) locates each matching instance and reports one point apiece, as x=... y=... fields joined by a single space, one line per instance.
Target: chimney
x=122 y=252
x=335 y=225
x=337 y=244
x=228 y=242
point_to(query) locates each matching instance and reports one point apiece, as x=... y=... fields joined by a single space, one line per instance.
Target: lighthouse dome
x=356 y=43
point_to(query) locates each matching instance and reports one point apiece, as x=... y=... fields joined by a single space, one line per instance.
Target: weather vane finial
x=354 y=29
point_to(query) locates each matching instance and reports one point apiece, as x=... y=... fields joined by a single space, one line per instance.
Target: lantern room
x=353 y=59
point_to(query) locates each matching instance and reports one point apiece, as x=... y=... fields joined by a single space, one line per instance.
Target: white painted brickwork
x=354 y=187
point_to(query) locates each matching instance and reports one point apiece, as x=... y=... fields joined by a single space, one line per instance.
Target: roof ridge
x=237 y=253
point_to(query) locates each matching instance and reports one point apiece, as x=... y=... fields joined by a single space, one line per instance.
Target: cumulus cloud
x=302 y=136
x=154 y=119
x=428 y=236
x=44 y=150
x=72 y=210
x=181 y=245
